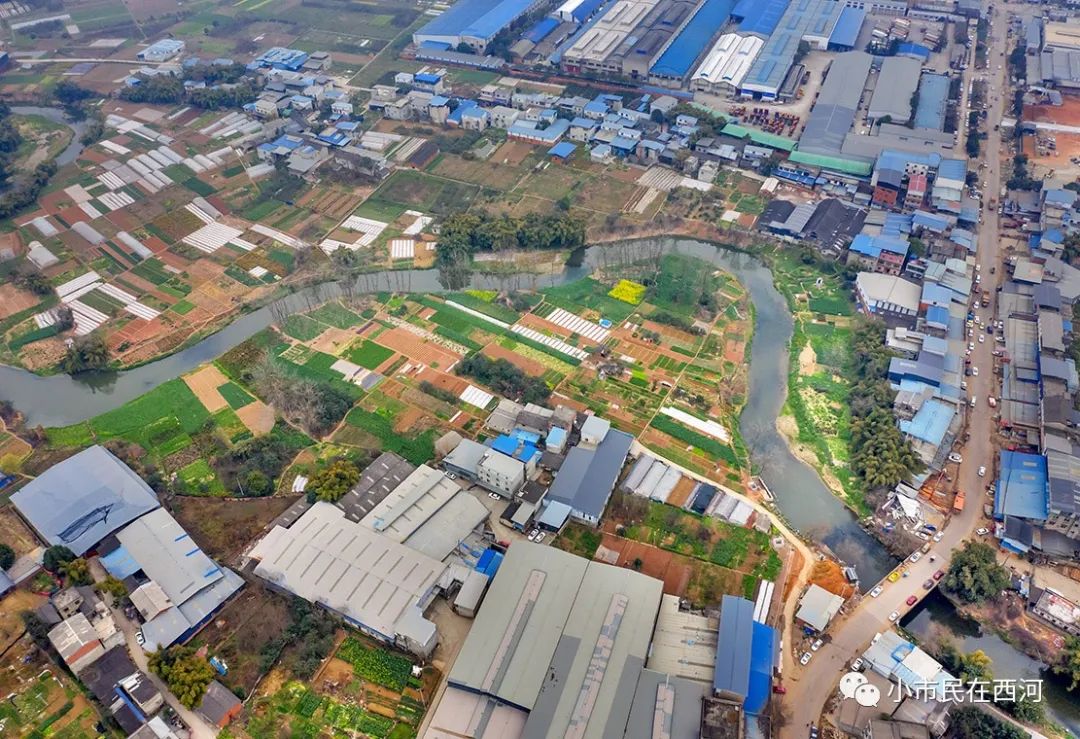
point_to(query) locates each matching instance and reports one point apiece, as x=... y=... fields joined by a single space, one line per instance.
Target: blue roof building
x=508 y=445
x=472 y=22
x=562 y=150
x=587 y=476
x=1023 y=487
x=161 y=51
x=489 y=562
x=764 y=655
x=917 y=51
x=541 y=29
x=872 y=246
x=846 y=32
x=930 y=423
x=455 y=115
x=932 y=100
x=937 y=316
x=280 y=58
x=530 y=131
x=930 y=221
x=687 y=46
x=734 y=644
x=759 y=17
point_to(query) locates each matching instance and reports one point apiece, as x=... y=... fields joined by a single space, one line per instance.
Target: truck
x=985 y=298
x=958 y=501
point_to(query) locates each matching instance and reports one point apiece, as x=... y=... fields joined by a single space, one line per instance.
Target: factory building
x=725 y=66
x=474 y=23
x=812 y=21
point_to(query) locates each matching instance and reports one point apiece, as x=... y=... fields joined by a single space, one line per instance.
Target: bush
x=333 y=482
x=504 y=378
x=7 y=557
x=974 y=574
x=56 y=557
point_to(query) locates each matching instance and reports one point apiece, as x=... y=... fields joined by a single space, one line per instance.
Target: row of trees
x=881 y=455
x=504 y=378
x=462 y=235
x=166 y=90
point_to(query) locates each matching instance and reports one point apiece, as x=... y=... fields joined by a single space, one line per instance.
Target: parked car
x=893 y=576
x=954 y=457
x=493 y=496
x=857 y=664
x=893 y=616
x=928 y=585
x=982 y=339
x=939 y=574
x=818 y=643
x=540 y=536
x=915 y=557
x=911 y=600
x=983 y=531
x=975 y=371
x=938 y=536
x=805 y=659
x=876 y=591
x=982 y=472
x=139 y=638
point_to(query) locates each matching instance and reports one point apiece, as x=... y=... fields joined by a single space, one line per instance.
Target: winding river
x=805 y=501
x=75 y=147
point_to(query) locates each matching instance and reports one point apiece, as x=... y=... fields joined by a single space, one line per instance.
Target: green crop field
x=417 y=448
x=141 y=420
x=368 y=354
x=302 y=328
x=235 y=395
x=336 y=315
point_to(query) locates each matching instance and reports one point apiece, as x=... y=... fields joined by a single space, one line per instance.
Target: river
x=73 y=149
x=935 y=617
x=60 y=400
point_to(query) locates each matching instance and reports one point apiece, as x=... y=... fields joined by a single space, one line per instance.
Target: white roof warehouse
x=375 y=583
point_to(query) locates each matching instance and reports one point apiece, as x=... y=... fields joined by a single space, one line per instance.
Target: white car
x=954 y=457
x=818 y=643
x=876 y=591
x=963 y=384
x=971 y=346
x=534 y=535
x=982 y=338
x=857 y=664
x=982 y=532
x=139 y=638
x=982 y=472
x=540 y=537
x=974 y=371
x=915 y=557
x=893 y=616
x=493 y=496
x=805 y=659
x=938 y=536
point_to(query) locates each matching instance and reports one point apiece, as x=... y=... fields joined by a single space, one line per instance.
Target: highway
x=814 y=684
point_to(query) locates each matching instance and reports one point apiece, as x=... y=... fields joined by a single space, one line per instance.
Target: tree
x=86 y=354
x=257 y=484
x=975 y=666
x=974 y=574
x=33 y=281
x=113 y=586
x=7 y=557
x=1069 y=666
x=56 y=557
x=334 y=481
x=186 y=673
x=1026 y=710
x=77 y=571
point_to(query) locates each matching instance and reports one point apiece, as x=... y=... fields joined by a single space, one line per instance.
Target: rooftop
x=837 y=104
x=818 y=606
x=1022 y=486
x=168 y=556
x=78 y=502
x=896 y=83
x=734 y=641
x=366 y=577
x=587 y=476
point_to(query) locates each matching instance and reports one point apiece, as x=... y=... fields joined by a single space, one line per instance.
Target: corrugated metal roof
x=83 y=499
x=1022 y=489
x=168 y=556
x=836 y=164
x=933 y=98
x=848 y=25
x=733 y=646
x=759 y=17
x=475 y=18
x=587 y=477
x=837 y=104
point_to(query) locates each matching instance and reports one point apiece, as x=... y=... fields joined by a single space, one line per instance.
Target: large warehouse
x=837 y=105
x=376 y=584
x=812 y=21
x=473 y=23
x=724 y=67
x=83 y=499
x=678 y=58
x=629 y=37
x=558 y=649
x=896 y=84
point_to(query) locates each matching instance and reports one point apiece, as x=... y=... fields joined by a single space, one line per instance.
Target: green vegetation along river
x=61 y=400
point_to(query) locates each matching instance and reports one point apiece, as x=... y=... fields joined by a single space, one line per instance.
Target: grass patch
x=200 y=479
x=417 y=448
x=336 y=315
x=183 y=307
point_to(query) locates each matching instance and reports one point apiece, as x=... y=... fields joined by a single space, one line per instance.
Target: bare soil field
x=224 y=526
x=526 y=365
x=16 y=535
x=653 y=562
x=417 y=348
x=257 y=416
x=13 y=300
x=204 y=383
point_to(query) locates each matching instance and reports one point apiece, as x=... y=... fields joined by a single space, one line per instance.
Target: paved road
x=815 y=684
